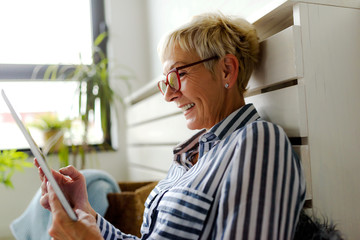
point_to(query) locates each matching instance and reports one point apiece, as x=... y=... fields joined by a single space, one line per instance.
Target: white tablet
x=41 y=160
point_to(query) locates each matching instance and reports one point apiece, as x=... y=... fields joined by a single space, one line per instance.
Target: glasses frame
x=166 y=81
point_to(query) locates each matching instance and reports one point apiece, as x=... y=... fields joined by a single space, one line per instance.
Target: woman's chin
x=192 y=125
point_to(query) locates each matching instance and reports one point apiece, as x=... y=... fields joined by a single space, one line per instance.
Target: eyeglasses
x=173 y=77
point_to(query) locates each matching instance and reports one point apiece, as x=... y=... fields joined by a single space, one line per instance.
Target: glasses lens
x=162 y=86
x=173 y=80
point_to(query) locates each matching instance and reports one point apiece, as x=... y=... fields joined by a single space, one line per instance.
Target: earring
x=226 y=85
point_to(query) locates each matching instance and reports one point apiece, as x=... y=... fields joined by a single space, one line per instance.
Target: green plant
x=54 y=129
x=50 y=121
x=93 y=88
x=11 y=161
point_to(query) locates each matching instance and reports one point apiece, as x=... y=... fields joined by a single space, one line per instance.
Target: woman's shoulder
x=263 y=134
x=261 y=140
x=262 y=127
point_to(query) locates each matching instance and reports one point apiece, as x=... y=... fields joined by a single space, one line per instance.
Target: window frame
x=26 y=71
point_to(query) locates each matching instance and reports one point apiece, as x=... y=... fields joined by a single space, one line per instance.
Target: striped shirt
x=247 y=184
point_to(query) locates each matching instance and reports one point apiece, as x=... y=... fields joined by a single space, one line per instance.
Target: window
x=45 y=32
x=36 y=34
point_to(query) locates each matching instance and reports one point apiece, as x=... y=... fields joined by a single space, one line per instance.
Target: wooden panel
x=154 y=157
x=144 y=92
x=303 y=153
x=275 y=15
x=171 y=130
x=153 y=107
x=137 y=173
x=285 y=107
x=281 y=59
x=272 y=18
x=331 y=78
x=338 y=3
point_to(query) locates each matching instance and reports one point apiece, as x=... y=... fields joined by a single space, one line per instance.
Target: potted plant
x=54 y=130
x=94 y=87
x=11 y=161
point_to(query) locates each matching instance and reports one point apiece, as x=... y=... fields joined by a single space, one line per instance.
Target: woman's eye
x=182 y=74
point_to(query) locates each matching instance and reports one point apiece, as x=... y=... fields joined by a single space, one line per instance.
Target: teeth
x=186 y=107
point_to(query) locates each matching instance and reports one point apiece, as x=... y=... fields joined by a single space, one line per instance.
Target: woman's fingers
x=44 y=199
x=43 y=187
x=41 y=173
x=36 y=162
x=64 y=228
x=71 y=172
x=44 y=202
x=55 y=205
x=60 y=218
x=59 y=177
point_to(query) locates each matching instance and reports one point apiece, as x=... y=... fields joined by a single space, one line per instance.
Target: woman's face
x=201 y=97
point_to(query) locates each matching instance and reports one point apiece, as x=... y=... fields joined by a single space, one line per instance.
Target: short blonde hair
x=213 y=34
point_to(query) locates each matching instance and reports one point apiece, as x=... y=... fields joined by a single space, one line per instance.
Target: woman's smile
x=187 y=108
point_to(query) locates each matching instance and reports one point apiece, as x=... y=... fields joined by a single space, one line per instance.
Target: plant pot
x=51 y=135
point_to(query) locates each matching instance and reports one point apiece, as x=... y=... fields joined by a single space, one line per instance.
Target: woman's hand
x=64 y=228
x=73 y=185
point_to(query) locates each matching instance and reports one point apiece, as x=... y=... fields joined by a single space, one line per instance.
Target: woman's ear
x=230 y=70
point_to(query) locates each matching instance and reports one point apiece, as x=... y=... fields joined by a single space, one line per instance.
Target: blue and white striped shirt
x=247 y=184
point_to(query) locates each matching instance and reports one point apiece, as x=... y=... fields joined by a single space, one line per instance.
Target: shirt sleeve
x=109 y=232
x=264 y=187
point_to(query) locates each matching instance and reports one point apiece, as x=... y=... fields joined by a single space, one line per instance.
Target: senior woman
x=238 y=178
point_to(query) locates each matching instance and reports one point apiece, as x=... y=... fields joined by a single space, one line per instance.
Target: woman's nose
x=170 y=94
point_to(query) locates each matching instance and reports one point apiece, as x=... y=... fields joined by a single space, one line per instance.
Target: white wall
x=136 y=27
x=128 y=42
x=166 y=15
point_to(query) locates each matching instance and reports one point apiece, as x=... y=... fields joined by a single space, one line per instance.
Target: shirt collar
x=236 y=120
x=185 y=151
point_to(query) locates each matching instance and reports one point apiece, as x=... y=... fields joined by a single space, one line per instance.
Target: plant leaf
x=100 y=38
